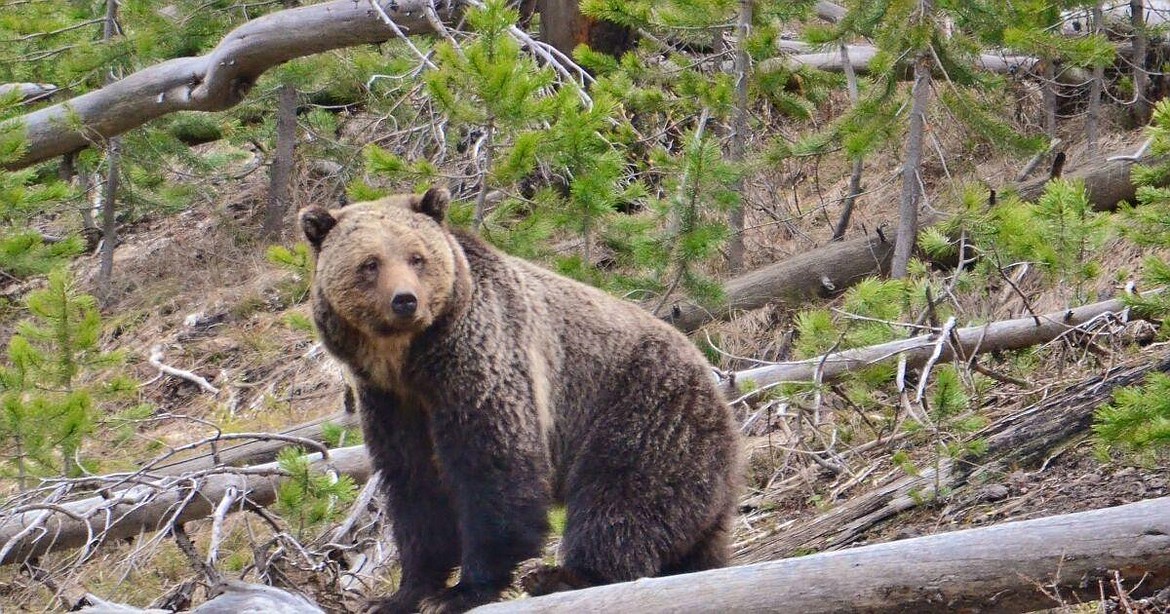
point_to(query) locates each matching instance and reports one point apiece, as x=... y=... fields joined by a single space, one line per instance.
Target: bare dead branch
x=155 y=360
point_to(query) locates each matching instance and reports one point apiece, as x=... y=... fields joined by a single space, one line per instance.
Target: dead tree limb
x=804 y=55
x=29 y=92
x=994 y=337
x=216 y=81
x=830 y=12
x=1002 y=568
x=256 y=451
x=150 y=505
x=155 y=360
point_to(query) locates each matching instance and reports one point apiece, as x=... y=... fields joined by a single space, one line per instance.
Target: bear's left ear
x=316 y=222
x=434 y=204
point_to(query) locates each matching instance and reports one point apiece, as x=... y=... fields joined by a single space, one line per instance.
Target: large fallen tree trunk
x=804 y=55
x=150 y=505
x=825 y=271
x=993 y=337
x=1107 y=182
x=1012 y=567
x=218 y=80
x=1021 y=439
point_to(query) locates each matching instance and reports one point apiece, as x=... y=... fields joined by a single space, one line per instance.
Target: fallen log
x=1003 y=568
x=218 y=80
x=993 y=337
x=28 y=91
x=150 y=505
x=256 y=451
x=1107 y=182
x=1021 y=439
x=804 y=55
x=824 y=271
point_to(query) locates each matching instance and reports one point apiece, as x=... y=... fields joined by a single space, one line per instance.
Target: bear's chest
x=383 y=359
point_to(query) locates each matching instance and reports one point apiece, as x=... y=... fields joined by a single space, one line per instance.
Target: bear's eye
x=369 y=265
x=416 y=260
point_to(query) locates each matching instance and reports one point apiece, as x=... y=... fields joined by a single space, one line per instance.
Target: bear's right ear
x=316 y=222
x=434 y=204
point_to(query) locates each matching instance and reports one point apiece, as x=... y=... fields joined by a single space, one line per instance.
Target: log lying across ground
x=1003 y=568
x=804 y=55
x=1107 y=182
x=256 y=451
x=218 y=80
x=993 y=337
x=824 y=271
x=149 y=507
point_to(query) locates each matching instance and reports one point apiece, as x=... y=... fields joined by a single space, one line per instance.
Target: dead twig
x=155 y=360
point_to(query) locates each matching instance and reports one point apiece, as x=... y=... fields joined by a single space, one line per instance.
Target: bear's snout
x=404 y=304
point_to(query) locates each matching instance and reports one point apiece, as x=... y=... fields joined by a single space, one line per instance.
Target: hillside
x=995 y=437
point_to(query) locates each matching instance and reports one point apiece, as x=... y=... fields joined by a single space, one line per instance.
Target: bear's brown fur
x=490 y=387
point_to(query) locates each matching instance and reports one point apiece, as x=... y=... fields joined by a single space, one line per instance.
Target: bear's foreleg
x=498 y=470
x=423 y=519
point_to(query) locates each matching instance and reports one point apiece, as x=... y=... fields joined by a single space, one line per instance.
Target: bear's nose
x=404 y=304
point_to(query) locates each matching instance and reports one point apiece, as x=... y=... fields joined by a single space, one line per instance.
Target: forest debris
x=1022 y=438
x=133 y=503
x=155 y=360
x=996 y=336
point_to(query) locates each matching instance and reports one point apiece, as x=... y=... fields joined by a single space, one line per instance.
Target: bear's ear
x=434 y=204
x=316 y=222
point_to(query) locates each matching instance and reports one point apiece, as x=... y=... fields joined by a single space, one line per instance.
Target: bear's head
x=387 y=267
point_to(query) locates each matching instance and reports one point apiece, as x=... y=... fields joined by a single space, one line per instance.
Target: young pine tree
x=46 y=409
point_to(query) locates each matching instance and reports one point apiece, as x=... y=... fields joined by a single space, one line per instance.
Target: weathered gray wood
x=829 y=11
x=256 y=451
x=996 y=336
x=218 y=80
x=1107 y=182
x=999 y=568
x=131 y=511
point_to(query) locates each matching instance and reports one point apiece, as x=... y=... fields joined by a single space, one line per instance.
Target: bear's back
x=585 y=343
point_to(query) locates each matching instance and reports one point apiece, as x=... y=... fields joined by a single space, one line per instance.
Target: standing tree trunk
x=280 y=176
x=1049 y=95
x=912 y=167
x=1093 y=121
x=563 y=26
x=739 y=121
x=481 y=198
x=1141 y=78
x=110 y=192
x=858 y=164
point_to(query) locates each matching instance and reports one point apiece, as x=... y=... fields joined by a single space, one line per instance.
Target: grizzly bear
x=490 y=388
